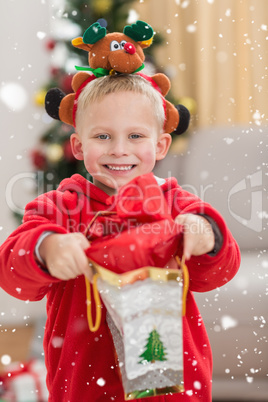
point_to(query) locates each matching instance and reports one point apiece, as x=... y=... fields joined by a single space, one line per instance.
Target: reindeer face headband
x=114 y=53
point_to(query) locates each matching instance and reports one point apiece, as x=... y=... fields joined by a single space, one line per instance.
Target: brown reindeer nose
x=129 y=48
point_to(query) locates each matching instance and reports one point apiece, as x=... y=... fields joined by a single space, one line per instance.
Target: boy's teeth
x=120 y=167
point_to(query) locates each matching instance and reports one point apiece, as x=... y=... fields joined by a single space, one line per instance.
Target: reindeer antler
x=94 y=33
x=140 y=31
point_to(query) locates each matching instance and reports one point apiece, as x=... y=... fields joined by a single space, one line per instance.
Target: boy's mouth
x=120 y=167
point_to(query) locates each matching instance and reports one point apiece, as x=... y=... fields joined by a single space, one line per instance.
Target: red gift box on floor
x=25 y=382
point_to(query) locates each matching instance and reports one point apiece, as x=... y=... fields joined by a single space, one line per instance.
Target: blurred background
x=215 y=53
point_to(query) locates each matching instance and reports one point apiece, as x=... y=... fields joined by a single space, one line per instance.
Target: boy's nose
x=119 y=148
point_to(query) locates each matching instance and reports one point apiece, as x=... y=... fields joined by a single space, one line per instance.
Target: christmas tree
x=52 y=157
x=154 y=349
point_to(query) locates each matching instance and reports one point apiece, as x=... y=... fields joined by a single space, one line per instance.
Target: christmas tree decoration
x=39 y=98
x=154 y=349
x=101 y=6
x=38 y=159
x=50 y=44
x=54 y=153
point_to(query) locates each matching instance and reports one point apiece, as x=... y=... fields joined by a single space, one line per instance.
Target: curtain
x=216 y=52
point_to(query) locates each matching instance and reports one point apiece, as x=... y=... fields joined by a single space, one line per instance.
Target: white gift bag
x=144 y=314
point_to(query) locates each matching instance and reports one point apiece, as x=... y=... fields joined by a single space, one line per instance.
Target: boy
x=119 y=136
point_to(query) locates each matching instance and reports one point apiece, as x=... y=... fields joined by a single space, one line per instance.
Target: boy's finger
x=82 y=240
x=187 y=246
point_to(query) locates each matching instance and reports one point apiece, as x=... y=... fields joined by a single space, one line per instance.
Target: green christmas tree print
x=154 y=349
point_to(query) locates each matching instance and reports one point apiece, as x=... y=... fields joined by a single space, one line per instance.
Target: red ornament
x=54 y=71
x=50 y=44
x=38 y=159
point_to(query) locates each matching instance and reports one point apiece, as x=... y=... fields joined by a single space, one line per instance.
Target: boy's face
x=119 y=139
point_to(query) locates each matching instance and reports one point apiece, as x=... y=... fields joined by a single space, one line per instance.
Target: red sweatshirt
x=81 y=365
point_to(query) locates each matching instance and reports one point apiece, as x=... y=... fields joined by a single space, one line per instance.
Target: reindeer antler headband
x=114 y=53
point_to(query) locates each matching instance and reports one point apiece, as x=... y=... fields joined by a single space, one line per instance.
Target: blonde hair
x=98 y=88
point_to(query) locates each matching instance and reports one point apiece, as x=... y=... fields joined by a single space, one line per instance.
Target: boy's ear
x=162 y=146
x=76 y=146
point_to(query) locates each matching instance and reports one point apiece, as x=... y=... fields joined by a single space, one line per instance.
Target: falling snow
x=228 y=140
x=101 y=382
x=228 y=322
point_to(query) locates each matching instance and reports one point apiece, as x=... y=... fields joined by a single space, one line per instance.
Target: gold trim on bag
x=120 y=280
x=154 y=392
x=139 y=274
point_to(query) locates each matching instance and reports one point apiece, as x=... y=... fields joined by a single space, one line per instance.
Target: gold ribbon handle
x=185 y=273
x=93 y=327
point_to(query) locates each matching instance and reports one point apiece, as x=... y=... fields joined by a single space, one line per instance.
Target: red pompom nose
x=129 y=48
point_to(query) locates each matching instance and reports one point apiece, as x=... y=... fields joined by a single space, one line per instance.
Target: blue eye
x=103 y=136
x=133 y=136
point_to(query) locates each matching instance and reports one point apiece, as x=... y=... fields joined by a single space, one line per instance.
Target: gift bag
x=144 y=315
x=132 y=250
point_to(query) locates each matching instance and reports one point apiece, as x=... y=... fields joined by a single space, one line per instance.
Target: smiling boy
x=120 y=139
x=119 y=135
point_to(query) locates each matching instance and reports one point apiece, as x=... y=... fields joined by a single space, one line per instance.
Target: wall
x=24 y=28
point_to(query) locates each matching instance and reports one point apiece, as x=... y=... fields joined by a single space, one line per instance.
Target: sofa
x=227 y=167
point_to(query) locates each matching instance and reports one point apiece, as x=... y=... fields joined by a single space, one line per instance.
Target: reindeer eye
x=122 y=44
x=114 y=45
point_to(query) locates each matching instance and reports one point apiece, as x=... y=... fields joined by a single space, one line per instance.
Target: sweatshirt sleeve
x=208 y=272
x=20 y=275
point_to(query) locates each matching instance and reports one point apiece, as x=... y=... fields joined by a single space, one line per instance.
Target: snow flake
x=228 y=322
x=133 y=16
x=191 y=28
x=228 y=140
x=18 y=290
x=185 y=3
x=5 y=360
x=57 y=341
x=197 y=385
x=249 y=379
x=41 y=35
x=189 y=392
x=14 y=96
x=101 y=382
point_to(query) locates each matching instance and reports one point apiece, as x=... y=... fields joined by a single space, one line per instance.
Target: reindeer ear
x=140 y=32
x=78 y=42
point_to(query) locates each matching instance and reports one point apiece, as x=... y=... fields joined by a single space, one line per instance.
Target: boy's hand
x=198 y=236
x=64 y=255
